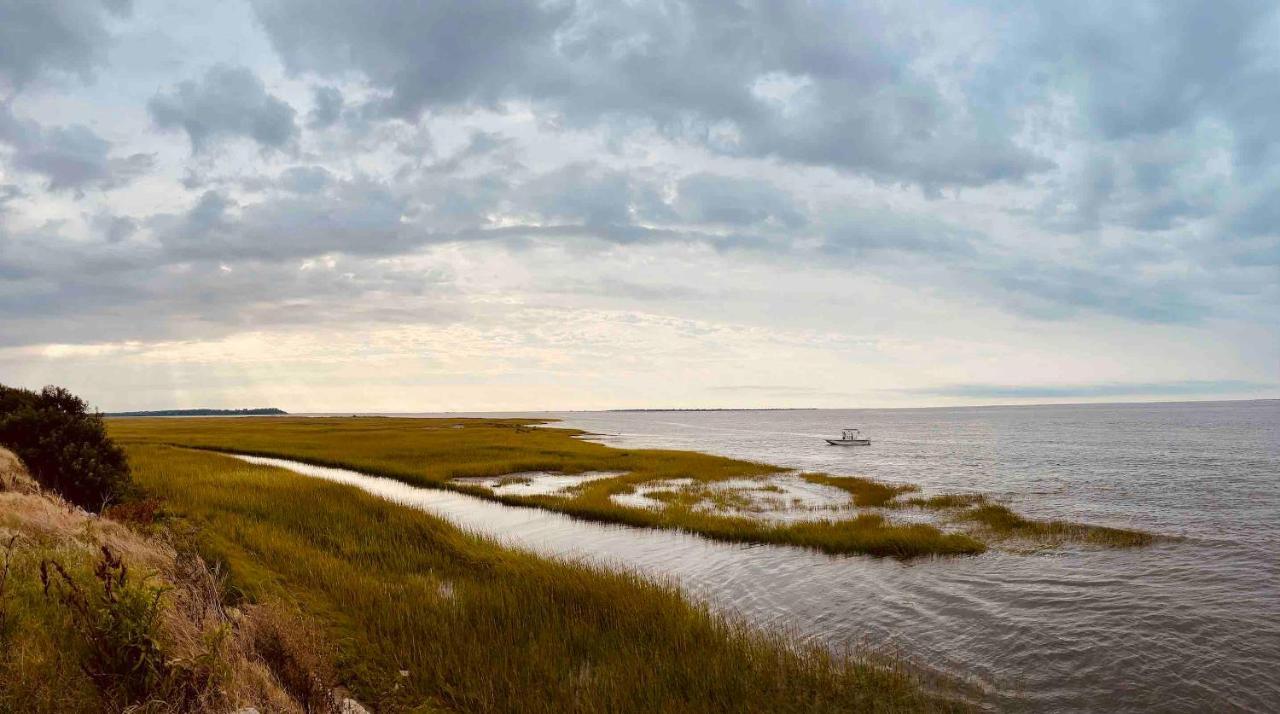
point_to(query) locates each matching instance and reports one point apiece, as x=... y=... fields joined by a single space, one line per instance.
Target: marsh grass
x=432 y=452
x=481 y=628
x=1004 y=523
x=700 y=495
x=945 y=501
x=865 y=492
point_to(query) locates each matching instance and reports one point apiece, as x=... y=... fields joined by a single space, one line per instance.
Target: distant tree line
x=65 y=446
x=269 y=411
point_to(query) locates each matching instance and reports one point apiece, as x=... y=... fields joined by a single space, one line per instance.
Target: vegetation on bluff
x=64 y=446
x=97 y=616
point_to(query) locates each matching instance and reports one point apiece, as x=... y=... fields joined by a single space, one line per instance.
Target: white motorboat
x=850 y=437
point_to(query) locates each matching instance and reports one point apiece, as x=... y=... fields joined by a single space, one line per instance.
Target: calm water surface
x=1191 y=625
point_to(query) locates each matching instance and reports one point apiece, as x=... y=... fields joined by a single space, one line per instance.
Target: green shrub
x=116 y=620
x=64 y=446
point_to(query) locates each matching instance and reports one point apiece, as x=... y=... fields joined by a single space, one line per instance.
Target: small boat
x=849 y=437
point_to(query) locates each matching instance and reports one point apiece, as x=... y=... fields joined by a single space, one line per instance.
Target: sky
x=326 y=205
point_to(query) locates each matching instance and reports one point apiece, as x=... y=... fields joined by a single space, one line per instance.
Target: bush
x=64 y=446
x=116 y=620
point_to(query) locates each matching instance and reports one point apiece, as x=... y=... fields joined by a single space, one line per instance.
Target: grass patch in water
x=865 y=492
x=482 y=628
x=946 y=501
x=699 y=495
x=1005 y=523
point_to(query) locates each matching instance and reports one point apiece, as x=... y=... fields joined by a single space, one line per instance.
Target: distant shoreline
x=266 y=411
x=723 y=409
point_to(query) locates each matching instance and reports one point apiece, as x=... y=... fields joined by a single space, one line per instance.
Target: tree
x=64 y=446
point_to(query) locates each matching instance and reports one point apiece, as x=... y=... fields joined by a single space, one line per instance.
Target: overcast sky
x=481 y=205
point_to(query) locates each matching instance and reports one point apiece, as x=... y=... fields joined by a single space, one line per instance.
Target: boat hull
x=849 y=442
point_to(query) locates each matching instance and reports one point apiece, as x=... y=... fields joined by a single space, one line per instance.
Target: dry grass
x=95 y=617
x=13 y=477
x=480 y=628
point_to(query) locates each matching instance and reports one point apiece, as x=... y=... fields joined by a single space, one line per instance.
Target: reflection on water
x=535 y=483
x=1191 y=625
x=780 y=498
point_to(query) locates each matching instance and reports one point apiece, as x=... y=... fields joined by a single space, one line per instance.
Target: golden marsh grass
x=433 y=452
x=482 y=628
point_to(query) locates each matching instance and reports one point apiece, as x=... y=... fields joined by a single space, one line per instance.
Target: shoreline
x=435 y=453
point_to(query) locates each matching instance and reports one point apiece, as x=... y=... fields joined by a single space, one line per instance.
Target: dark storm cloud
x=52 y=36
x=225 y=102
x=70 y=157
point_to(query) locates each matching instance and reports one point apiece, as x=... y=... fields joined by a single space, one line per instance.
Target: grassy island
x=437 y=452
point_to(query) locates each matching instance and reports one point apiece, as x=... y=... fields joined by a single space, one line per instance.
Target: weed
x=4 y=583
x=116 y=620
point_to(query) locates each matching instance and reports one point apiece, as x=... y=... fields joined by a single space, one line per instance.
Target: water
x=1189 y=625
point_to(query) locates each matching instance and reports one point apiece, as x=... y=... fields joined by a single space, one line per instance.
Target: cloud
x=932 y=163
x=706 y=73
x=480 y=145
x=326 y=107
x=57 y=36
x=1189 y=388
x=592 y=195
x=71 y=157
x=710 y=198
x=129 y=288
x=777 y=390
x=358 y=217
x=226 y=102
x=305 y=179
